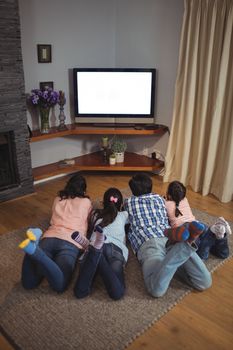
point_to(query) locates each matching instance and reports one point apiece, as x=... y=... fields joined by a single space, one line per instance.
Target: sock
x=218 y=226
x=227 y=226
x=80 y=239
x=34 y=234
x=219 y=230
x=196 y=228
x=28 y=246
x=100 y=237
x=177 y=234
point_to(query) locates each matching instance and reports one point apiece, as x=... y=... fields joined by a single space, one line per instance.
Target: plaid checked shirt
x=147 y=218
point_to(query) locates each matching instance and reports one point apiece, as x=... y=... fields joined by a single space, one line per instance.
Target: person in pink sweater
x=208 y=239
x=54 y=254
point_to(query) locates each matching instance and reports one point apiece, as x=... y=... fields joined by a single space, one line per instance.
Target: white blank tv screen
x=114 y=93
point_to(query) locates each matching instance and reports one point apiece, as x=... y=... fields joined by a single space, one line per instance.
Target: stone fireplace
x=8 y=175
x=15 y=158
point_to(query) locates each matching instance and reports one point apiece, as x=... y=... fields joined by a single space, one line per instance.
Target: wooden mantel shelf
x=95 y=161
x=83 y=129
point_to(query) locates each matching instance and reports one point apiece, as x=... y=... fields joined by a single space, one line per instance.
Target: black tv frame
x=105 y=117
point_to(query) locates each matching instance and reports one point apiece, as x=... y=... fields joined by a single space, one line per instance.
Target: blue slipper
x=28 y=246
x=34 y=234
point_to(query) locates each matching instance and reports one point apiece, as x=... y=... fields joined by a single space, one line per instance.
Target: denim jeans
x=208 y=243
x=108 y=262
x=159 y=265
x=53 y=259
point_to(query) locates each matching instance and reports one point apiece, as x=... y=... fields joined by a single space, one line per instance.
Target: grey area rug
x=42 y=319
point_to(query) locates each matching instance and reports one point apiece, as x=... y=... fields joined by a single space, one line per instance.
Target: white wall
x=103 y=33
x=148 y=35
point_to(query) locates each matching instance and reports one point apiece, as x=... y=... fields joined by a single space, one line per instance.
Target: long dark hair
x=112 y=202
x=75 y=187
x=176 y=192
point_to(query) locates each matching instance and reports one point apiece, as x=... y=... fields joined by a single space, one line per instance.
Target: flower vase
x=44 y=120
x=62 y=119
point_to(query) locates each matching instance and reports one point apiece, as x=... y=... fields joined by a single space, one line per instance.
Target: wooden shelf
x=94 y=161
x=83 y=129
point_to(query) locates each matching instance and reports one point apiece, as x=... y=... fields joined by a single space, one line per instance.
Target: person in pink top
x=180 y=215
x=211 y=239
x=54 y=254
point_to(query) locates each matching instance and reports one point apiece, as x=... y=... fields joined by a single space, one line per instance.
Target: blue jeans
x=108 y=262
x=160 y=264
x=53 y=259
x=208 y=243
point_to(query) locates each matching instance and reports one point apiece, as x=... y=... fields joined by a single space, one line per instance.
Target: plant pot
x=120 y=157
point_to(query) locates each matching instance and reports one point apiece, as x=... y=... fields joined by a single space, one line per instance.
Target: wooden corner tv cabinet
x=95 y=161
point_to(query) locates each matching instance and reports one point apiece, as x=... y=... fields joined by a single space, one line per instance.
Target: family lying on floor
x=162 y=232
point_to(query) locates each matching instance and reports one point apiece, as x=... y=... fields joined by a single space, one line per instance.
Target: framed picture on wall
x=46 y=84
x=44 y=53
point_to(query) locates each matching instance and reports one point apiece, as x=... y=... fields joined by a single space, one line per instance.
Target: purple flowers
x=44 y=98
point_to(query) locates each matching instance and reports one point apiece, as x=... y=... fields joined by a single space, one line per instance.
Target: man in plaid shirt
x=148 y=221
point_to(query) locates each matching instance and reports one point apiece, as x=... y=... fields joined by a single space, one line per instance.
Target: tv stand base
x=95 y=161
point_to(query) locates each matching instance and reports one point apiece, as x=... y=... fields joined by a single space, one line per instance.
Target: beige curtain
x=200 y=149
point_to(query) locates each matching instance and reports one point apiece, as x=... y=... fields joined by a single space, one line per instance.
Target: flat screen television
x=114 y=95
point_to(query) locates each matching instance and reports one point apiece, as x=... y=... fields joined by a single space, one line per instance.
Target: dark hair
x=112 y=202
x=176 y=191
x=140 y=183
x=75 y=187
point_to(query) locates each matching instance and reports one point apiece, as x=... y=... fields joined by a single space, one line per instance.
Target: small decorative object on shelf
x=66 y=162
x=112 y=159
x=105 y=141
x=44 y=99
x=118 y=147
x=105 y=155
x=62 y=117
x=105 y=146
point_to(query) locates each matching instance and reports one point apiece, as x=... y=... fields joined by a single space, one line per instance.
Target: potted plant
x=118 y=147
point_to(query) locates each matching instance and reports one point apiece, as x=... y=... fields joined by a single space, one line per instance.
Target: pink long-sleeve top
x=184 y=208
x=69 y=215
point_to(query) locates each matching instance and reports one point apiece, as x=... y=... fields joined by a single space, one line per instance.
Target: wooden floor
x=200 y=321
